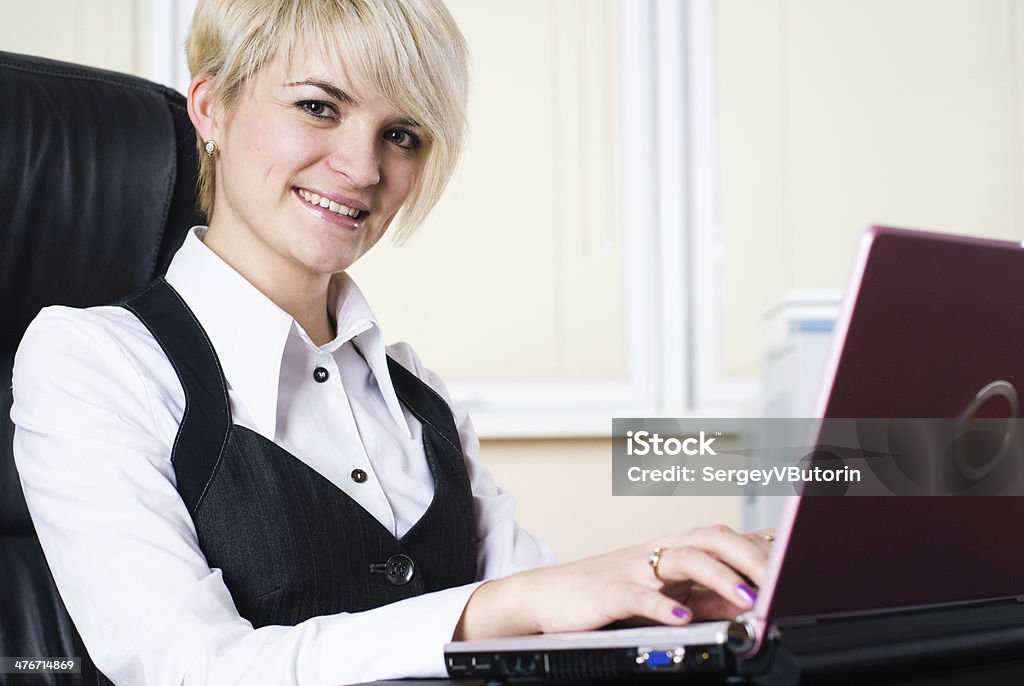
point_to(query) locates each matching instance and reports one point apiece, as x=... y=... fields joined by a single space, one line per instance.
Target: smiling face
x=311 y=169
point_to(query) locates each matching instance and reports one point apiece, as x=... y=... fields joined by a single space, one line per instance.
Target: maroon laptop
x=933 y=326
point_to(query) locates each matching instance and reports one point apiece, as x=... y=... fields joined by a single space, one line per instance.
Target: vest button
x=320 y=374
x=399 y=569
x=358 y=475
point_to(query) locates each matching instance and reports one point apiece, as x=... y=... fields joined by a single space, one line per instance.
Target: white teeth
x=328 y=204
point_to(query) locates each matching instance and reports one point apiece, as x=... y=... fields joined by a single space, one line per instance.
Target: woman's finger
x=641 y=601
x=735 y=550
x=762 y=538
x=680 y=591
x=761 y=534
x=693 y=563
x=707 y=604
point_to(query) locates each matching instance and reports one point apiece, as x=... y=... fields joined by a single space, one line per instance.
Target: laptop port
x=457 y=665
x=526 y=665
x=708 y=658
x=660 y=660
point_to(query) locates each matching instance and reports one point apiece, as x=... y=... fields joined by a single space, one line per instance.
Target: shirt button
x=358 y=475
x=320 y=374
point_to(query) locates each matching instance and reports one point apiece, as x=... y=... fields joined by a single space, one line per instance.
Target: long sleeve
x=92 y=442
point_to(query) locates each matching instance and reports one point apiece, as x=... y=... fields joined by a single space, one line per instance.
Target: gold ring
x=653 y=561
x=768 y=537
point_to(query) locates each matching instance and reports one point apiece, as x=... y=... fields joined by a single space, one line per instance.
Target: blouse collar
x=249 y=332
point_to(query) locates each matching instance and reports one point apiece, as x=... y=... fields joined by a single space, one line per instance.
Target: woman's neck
x=296 y=291
x=313 y=317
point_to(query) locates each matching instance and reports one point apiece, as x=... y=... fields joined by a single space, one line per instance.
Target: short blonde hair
x=411 y=52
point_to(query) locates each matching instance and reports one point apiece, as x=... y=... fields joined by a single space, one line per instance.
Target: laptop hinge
x=923 y=639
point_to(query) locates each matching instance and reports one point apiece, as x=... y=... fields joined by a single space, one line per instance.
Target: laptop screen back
x=929 y=321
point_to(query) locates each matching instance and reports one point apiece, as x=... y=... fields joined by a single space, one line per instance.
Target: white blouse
x=96 y=410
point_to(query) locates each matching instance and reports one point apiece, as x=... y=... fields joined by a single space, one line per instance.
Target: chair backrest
x=97 y=190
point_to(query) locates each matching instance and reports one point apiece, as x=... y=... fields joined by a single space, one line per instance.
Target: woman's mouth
x=330 y=205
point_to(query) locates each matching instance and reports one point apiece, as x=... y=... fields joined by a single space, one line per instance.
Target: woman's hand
x=708 y=573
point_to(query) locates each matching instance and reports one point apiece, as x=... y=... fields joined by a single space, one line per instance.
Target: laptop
x=932 y=326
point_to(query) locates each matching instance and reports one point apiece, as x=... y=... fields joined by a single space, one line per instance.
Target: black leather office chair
x=97 y=190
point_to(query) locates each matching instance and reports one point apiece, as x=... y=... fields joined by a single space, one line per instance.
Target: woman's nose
x=357 y=158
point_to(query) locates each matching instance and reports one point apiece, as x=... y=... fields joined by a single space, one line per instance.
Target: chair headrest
x=97 y=189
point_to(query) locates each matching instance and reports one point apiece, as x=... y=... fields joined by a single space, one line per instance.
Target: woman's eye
x=318 y=109
x=403 y=139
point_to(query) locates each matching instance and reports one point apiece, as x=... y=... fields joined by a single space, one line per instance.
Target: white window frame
x=167 y=25
x=672 y=269
x=713 y=392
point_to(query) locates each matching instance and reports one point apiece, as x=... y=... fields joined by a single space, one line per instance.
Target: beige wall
x=838 y=114
x=101 y=33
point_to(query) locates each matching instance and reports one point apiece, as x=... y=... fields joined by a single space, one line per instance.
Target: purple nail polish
x=680 y=612
x=748 y=594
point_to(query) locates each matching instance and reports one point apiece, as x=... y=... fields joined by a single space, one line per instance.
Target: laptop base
x=586 y=665
x=851 y=649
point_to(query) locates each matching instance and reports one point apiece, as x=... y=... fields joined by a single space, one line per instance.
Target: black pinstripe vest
x=290 y=544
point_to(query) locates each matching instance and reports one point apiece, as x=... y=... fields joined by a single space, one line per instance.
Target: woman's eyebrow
x=327 y=87
x=408 y=121
x=343 y=97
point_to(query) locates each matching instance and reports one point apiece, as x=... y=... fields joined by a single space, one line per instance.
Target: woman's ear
x=200 y=107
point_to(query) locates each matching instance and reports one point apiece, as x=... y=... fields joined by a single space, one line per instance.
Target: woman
x=232 y=477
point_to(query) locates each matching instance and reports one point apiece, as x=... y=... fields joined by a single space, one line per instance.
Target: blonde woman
x=234 y=479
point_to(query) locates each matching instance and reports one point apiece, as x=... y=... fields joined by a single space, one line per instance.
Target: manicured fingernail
x=680 y=612
x=748 y=594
